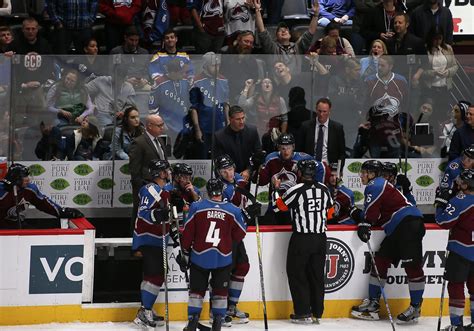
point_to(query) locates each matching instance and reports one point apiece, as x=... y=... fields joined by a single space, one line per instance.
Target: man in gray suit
x=145 y=148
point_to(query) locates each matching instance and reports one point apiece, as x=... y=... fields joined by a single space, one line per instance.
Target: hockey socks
x=456 y=302
x=416 y=284
x=149 y=289
x=237 y=282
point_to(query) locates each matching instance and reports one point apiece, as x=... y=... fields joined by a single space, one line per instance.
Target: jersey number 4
x=213 y=235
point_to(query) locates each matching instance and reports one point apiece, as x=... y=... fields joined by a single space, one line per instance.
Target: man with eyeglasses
x=149 y=146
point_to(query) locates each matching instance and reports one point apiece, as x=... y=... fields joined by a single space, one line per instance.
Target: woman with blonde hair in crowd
x=369 y=64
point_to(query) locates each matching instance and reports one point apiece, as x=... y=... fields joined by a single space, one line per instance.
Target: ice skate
x=217 y=323
x=301 y=319
x=238 y=317
x=144 y=318
x=192 y=323
x=454 y=328
x=469 y=327
x=227 y=320
x=367 y=310
x=159 y=320
x=410 y=315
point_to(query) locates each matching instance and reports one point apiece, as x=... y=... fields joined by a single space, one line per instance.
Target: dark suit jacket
x=225 y=143
x=336 y=140
x=142 y=151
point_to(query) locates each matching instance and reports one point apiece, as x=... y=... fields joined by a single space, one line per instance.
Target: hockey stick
x=165 y=273
x=443 y=289
x=17 y=206
x=371 y=252
x=174 y=211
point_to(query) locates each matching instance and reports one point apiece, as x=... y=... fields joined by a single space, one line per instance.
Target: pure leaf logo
x=199 y=182
x=36 y=169
x=358 y=196
x=404 y=167
x=106 y=183
x=126 y=198
x=354 y=167
x=59 y=184
x=424 y=181
x=83 y=169
x=125 y=169
x=82 y=199
x=442 y=166
x=263 y=197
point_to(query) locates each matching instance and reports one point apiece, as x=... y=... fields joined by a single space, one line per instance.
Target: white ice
x=341 y=324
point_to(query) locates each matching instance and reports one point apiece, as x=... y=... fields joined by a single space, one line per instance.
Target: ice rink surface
x=340 y=324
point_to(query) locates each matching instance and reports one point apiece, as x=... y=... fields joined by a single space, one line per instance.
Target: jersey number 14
x=213 y=235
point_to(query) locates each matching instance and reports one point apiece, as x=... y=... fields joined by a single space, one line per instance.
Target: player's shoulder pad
x=272 y=155
x=455 y=164
x=298 y=156
x=33 y=187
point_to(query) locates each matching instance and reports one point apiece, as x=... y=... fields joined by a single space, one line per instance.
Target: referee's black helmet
x=307 y=168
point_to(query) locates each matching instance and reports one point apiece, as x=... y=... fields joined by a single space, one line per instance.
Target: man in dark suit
x=238 y=140
x=145 y=148
x=321 y=137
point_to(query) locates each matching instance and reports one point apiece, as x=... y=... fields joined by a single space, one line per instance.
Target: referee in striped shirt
x=309 y=203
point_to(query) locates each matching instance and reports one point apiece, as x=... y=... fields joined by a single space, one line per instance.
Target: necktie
x=318 y=151
x=160 y=150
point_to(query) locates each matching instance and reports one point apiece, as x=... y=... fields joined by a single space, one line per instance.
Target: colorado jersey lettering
x=453 y=170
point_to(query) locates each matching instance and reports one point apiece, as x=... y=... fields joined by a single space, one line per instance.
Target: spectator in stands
x=298 y=113
x=125 y=133
x=169 y=51
x=119 y=16
x=50 y=147
x=432 y=16
x=209 y=30
x=343 y=46
x=458 y=116
x=438 y=74
x=6 y=41
x=363 y=8
x=6 y=8
x=237 y=65
x=29 y=41
x=134 y=64
x=209 y=100
x=370 y=65
x=179 y=14
x=282 y=46
x=68 y=99
x=239 y=16
x=83 y=143
x=267 y=109
x=72 y=22
x=464 y=136
x=239 y=140
x=91 y=64
x=338 y=11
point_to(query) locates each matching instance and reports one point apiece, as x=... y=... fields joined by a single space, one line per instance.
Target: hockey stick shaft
x=371 y=252
x=443 y=289
x=260 y=263
x=165 y=273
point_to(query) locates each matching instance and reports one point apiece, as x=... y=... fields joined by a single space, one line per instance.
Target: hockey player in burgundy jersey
x=402 y=222
x=148 y=238
x=17 y=192
x=400 y=181
x=211 y=227
x=343 y=198
x=182 y=191
x=458 y=216
x=282 y=165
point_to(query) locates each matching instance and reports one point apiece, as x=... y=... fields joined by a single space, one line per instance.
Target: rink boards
x=47 y=276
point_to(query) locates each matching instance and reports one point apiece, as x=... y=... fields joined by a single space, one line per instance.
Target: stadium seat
x=185 y=37
x=295 y=10
x=19 y=9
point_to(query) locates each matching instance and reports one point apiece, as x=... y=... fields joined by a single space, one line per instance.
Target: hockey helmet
x=469 y=152
x=224 y=161
x=182 y=169
x=214 y=187
x=307 y=168
x=16 y=173
x=286 y=139
x=333 y=166
x=389 y=168
x=374 y=166
x=467 y=176
x=157 y=166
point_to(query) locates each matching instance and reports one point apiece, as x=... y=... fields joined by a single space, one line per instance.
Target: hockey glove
x=363 y=231
x=175 y=235
x=357 y=215
x=257 y=159
x=183 y=261
x=176 y=200
x=254 y=210
x=404 y=183
x=70 y=213
x=442 y=197
x=160 y=215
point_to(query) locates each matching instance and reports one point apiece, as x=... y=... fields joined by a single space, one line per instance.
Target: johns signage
x=339 y=265
x=56 y=269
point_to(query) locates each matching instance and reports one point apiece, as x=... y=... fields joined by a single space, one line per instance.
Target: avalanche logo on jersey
x=288 y=179
x=212 y=8
x=387 y=104
x=240 y=13
x=339 y=265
